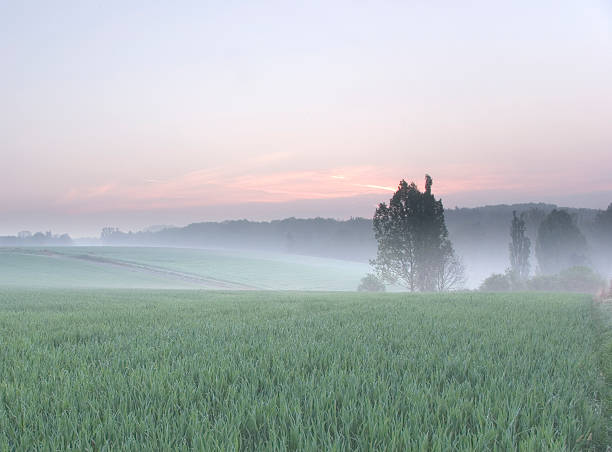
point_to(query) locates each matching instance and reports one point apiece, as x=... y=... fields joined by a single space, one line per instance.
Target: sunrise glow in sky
x=137 y=113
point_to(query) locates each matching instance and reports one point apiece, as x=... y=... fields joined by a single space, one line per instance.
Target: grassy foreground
x=168 y=370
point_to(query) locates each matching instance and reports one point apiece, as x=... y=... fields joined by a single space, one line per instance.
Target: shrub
x=544 y=283
x=574 y=279
x=496 y=283
x=580 y=279
x=370 y=283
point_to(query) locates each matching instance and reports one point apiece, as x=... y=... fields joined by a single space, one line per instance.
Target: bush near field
x=579 y=279
x=371 y=283
x=497 y=282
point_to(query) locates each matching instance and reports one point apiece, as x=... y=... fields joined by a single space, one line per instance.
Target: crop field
x=247 y=370
x=174 y=268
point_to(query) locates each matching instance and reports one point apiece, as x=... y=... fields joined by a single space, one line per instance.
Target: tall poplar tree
x=520 y=248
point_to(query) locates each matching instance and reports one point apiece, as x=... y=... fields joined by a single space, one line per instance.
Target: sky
x=132 y=114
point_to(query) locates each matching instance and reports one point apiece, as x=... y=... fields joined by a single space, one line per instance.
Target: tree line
x=414 y=250
x=562 y=255
x=26 y=238
x=439 y=247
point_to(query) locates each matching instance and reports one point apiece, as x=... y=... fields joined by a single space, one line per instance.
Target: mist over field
x=481 y=237
x=143 y=118
x=306 y=226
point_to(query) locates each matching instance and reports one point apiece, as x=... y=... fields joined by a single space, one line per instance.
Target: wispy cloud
x=253 y=182
x=215 y=186
x=376 y=187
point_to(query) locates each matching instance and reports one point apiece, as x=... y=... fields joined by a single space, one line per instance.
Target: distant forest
x=26 y=238
x=480 y=235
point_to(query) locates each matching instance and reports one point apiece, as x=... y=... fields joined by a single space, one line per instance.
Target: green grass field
x=190 y=369
x=175 y=268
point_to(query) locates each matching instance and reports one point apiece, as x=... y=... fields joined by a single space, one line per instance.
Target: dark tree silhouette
x=603 y=227
x=413 y=246
x=520 y=248
x=560 y=244
x=395 y=231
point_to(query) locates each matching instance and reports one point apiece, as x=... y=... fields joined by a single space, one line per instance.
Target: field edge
x=602 y=320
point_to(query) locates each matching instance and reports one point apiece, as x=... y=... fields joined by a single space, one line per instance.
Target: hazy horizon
x=338 y=208
x=143 y=114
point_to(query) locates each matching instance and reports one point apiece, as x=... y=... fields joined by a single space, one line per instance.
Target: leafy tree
x=434 y=250
x=395 y=230
x=413 y=246
x=604 y=219
x=108 y=232
x=520 y=248
x=560 y=244
x=370 y=283
x=603 y=228
x=450 y=272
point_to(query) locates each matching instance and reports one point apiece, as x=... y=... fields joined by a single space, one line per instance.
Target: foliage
x=497 y=282
x=544 y=283
x=325 y=237
x=560 y=244
x=413 y=246
x=603 y=222
x=580 y=279
x=370 y=283
x=601 y=239
x=26 y=238
x=191 y=370
x=479 y=235
x=520 y=248
x=450 y=273
x=574 y=279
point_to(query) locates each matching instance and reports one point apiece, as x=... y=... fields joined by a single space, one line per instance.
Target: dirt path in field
x=204 y=281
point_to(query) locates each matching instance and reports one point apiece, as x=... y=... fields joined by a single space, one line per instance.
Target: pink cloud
x=222 y=186
x=252 y=183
